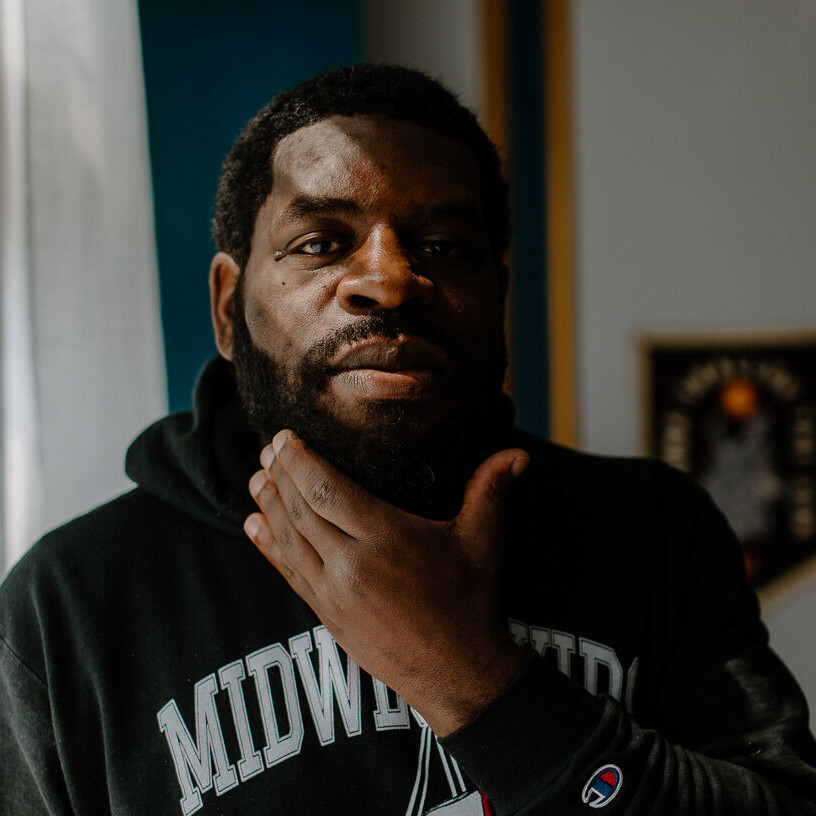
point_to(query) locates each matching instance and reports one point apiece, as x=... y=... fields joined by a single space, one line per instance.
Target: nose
x=381 y=277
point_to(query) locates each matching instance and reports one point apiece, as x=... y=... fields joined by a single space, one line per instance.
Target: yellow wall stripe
x=559 y=227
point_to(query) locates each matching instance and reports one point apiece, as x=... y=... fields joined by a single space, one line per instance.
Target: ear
x=224 y=275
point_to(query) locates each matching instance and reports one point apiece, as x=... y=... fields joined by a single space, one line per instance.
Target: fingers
x=257 y=529
x=330 y=494
x=492 y=480
x=485 y=494
x=328 y=540
x=260 y=534
x=275 y=535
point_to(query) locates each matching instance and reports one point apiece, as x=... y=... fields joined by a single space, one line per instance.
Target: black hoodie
x=152 y=662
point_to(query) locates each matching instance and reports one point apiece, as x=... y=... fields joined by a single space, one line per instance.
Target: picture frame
x=737 y=412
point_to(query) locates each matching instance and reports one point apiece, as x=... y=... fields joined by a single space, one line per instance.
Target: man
x=526 y=629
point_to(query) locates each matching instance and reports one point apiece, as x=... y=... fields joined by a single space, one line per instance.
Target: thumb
x=481 y=516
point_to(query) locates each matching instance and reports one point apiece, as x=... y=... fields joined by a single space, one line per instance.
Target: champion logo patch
x=603 y=786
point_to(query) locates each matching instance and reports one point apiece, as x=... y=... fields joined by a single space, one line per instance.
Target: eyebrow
x=304 y=206
x=464 y=210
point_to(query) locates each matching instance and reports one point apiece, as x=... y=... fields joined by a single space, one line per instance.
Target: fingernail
x=267 y=457
x=251 y=526
x=519 y=465
x=257 y=483
x=279 y=440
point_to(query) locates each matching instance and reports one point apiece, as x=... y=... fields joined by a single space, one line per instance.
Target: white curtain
x=81 y=354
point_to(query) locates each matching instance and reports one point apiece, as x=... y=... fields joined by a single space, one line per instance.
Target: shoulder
x=581 y=478
x=80 y=542
x=73 y=548
x=73 y=574
x=645 y=515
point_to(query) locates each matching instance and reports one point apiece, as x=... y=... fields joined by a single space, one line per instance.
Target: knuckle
x=287 y=539
x=322 y=493
x=494 y=494
x=347 y=571
x=298 y=558
x=294 y=580
x=295 y=509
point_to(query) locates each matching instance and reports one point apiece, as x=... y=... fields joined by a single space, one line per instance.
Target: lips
x=385 y=368
x=402 y=354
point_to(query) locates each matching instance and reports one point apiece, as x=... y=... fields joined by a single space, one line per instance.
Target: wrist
x=470 y=688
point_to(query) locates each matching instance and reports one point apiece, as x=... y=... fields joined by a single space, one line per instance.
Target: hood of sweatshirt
x=200 y=461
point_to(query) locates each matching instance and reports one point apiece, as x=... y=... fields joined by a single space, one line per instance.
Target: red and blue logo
x=603 y=786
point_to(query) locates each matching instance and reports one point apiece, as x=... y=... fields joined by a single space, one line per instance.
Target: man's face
x=369 y=315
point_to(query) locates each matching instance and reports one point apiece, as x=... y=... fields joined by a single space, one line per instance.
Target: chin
x=418 y=415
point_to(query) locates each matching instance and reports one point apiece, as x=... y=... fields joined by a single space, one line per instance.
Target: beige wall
x=696 y=184
x=441 y=37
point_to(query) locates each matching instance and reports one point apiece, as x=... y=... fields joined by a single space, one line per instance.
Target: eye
x=317 y=246
x=441 y=248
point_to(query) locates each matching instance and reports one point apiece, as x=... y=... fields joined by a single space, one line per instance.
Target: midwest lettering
x=331 y=685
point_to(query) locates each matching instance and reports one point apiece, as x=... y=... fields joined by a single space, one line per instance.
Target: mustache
x=377 y=326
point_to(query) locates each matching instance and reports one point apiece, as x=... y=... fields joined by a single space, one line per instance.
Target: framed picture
x=738 y=413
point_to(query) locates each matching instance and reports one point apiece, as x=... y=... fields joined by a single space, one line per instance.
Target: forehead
x=362 y=155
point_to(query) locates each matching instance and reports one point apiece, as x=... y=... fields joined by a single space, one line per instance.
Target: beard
x=417 y=461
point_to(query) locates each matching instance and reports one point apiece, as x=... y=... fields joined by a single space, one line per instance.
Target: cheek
x=264 y=325
x=478 y=315
x=283 y=318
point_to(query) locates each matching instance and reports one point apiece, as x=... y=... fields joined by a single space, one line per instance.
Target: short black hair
x=355 y=90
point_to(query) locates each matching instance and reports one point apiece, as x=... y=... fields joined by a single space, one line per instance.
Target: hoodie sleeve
x=31 y=779
x=729 y=733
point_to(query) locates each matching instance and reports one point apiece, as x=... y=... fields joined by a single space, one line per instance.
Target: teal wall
x=527 y=135
x=208 y=67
